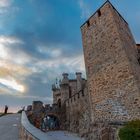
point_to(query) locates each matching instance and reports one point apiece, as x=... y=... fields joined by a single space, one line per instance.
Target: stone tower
x=112 y=67
x=56 y=94
x=64 y=88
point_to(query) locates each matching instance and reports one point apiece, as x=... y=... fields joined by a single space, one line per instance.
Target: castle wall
x=111 y=66
x=73 y=87
x=70 y=91
x=138 y=48
x=56 y=95
x=78 y=113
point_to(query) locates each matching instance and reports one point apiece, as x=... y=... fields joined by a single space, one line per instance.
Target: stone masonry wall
x=112 y=67
x=25 y=135
x=129 y=45
x=78 y=113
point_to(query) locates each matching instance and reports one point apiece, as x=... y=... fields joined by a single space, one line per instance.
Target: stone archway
x=52 y=122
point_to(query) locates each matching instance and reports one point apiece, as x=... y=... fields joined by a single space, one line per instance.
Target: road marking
x=15 y=125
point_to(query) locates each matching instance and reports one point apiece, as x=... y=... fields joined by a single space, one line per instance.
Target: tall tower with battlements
x=112 y=67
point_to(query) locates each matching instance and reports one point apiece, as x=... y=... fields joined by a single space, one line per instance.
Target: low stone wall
x=28 y=131
x=25 y=135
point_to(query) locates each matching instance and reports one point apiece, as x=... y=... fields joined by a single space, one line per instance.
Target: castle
x=111 y=94
x=70 y=95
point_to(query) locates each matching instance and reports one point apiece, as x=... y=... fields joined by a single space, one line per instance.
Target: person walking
x=6 y=109
x=44 y=124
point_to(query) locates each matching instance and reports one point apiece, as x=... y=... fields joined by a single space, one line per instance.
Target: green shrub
x=131 y=131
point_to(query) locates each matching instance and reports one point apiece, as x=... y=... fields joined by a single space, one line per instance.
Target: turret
x=79 y=81
x=56 y=93
x=65 y=79
x=64 y=87
x=37 y=107
x=78 y=75
x=53 y=87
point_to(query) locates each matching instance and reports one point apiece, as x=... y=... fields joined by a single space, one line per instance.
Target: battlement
x=68 y=87
x=76 y=97
x=98 y=14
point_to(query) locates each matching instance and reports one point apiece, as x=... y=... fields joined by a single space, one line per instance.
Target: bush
x=131 y=131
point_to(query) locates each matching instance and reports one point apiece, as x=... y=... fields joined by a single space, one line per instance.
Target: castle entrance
x=52 y=122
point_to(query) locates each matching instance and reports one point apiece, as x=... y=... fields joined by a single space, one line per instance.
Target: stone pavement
x=62 y=135
x=9 y=127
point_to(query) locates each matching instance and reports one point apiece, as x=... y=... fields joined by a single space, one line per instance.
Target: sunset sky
x=41 y=39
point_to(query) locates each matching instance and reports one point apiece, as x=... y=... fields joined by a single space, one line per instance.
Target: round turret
x=65 y=79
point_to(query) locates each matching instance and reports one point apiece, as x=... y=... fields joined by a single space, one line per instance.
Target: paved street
x=9 y=127
x=62 y=135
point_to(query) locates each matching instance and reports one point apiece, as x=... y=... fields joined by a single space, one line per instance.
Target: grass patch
x=131 y=131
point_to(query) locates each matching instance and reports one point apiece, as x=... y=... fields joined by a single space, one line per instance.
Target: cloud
x=12 y=83
x=12 y=70
x=85 y=9
x=12 y=78
x=60 y=64
x=4 y=90
x=50 y=51
x=5 y=3
x=45 y=99
x=9 y=40
x=4 y=6
x=11 y=50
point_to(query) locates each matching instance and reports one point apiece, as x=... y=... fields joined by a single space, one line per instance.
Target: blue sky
x=41 y=39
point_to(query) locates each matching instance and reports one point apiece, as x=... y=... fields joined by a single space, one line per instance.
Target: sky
x=41 y=39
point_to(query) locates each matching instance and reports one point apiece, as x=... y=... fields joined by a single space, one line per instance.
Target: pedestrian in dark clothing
x=6 y=109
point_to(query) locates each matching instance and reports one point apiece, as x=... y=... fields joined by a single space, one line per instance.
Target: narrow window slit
x=88 y=23
x=99 y=13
